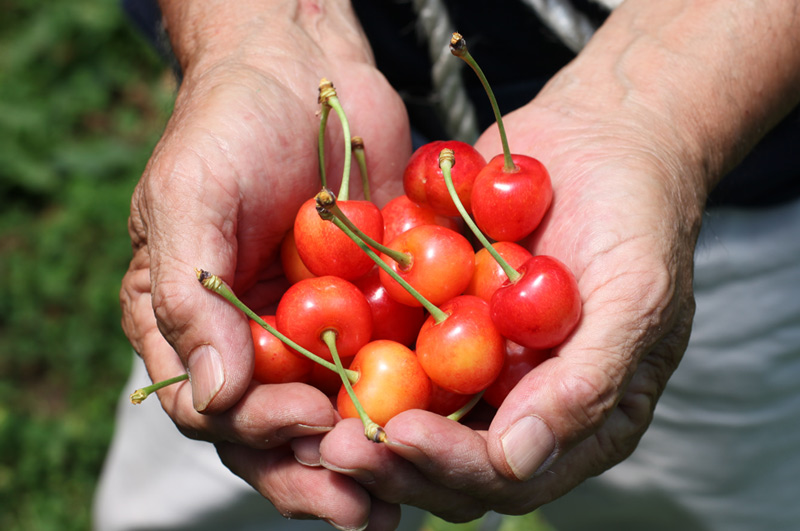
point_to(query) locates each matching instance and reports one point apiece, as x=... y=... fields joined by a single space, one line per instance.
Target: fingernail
x=207 y=374
x=345 y=528
x=529 y=446
x=359 y=474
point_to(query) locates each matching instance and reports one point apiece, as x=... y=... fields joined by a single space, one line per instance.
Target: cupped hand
x=237 y=158
x=625 y=219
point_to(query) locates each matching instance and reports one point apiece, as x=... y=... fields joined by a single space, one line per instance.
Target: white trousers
x=723 y=452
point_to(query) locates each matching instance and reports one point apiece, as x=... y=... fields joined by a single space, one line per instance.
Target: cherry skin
x=315 y=305
x=488 y=274
x=465 y=352
x=423 y=181
x=274 y=361
x=293 y=267
x=541 y=308
x=390 y=381
x=326 y=250
x=401 y=214
x=522 y=195
x=390 y=319
x=442 y=264
x=519 y=362
x=326 y=380
x=444 y=402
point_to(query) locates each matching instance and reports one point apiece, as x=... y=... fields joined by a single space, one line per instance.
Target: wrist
x=263 y=34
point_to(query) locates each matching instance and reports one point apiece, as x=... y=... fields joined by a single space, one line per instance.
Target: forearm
x=706 y=78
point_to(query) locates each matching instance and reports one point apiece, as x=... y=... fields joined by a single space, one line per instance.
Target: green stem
x=360 y=154
x=446 y=162
x=215 y=284
x=371 y=429
x=326 y=200
x=138 y=396
x=466 y=408
x=458 y=47
x=438 y=315
x=344 y=189
x=326 y=110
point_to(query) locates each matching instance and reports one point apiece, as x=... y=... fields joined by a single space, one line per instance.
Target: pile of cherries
x=393 y=308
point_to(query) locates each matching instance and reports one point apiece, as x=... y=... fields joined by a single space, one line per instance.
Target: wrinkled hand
x=237 y=158
x=626 y=226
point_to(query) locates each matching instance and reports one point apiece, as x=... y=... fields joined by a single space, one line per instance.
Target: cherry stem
x=446 y=162
x=327 y=96
x=326 y=110
x=138 y=396
x=458 y=47
x=438 y=315
x=466 y=408
x=372 y=430
x=326 y=200
x=217 y=285
x=360 y=155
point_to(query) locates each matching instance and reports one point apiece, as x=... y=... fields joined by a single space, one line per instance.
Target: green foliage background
x=82 y=102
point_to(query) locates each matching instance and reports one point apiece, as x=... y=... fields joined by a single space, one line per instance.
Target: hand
x=237 y=158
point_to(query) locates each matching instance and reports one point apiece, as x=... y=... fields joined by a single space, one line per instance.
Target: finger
x=298 y=491
x=389 y=475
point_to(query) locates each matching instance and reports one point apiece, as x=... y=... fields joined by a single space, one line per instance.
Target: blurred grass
x=82 y=102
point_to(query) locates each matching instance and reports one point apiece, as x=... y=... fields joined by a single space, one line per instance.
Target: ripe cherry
x=401 y=214
x=390 y=381
x=274 y=361
x=464 y=352
x=440 y=264
x=315 y=305
x=489 y=275
x=390 y=319
x=325 y=249
x=423 y=182
x=519 y=361
x=541 y=307
x=293 y=267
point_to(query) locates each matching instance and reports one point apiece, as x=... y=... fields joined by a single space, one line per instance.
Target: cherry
x=541 y=307
x=401 y=214
x=440 y=264
x=489 y=275
x=516 y=185
x=520 y=190
x=293 y=267
x=274 y=361
x=423 y=181
x=325 y=249
x=328 y=303
x=391 y=380
x=444 y=402
x=390 y=319
x=519 y=361
x=464 y=352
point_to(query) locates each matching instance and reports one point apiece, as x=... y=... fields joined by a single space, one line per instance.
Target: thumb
x=188 y=223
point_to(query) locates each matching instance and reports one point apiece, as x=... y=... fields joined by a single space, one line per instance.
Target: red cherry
x=315 y=305
x=401 y=214
x=274 y=361
x=463 y=353
x=326 y=250
x=390 y=381
x=541 y=308
x=326 y=380
x=522 y=195
x=423 y=181
x=390 y=319
x=519 y=362
x=442 y=264
x=489 y=275
x=293 y=267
